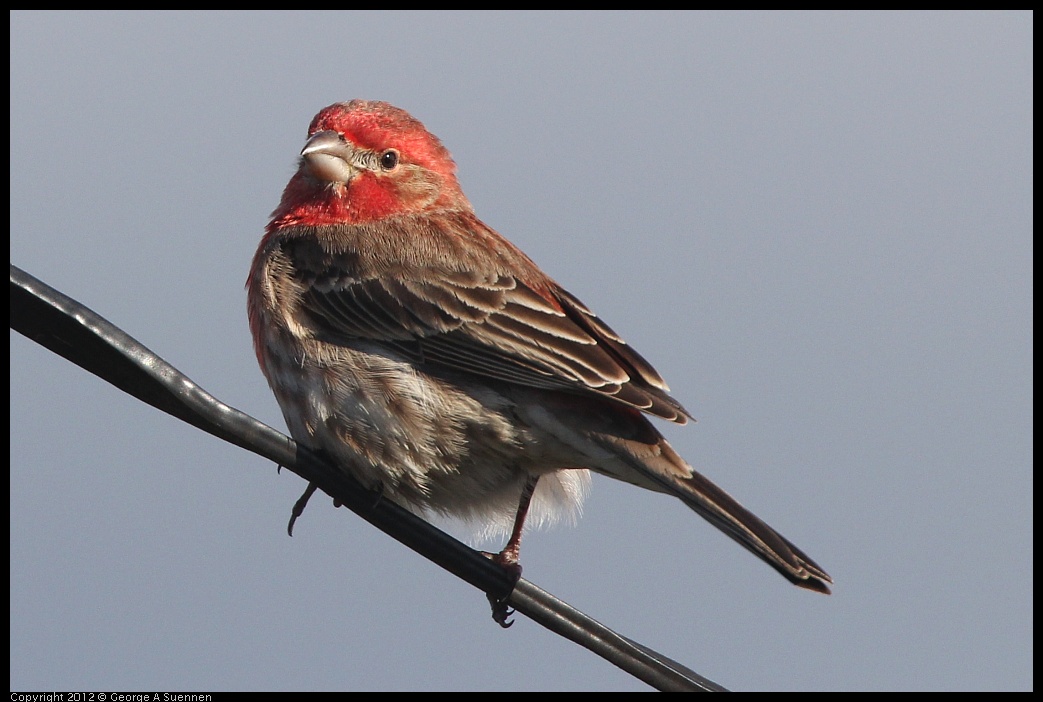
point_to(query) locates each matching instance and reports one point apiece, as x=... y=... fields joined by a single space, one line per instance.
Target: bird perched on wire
x=431 y=359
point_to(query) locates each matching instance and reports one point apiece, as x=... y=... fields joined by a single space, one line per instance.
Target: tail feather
x=623 y=444
x=661 y=468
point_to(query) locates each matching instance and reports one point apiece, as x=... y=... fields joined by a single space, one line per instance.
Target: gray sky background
x=818 y=227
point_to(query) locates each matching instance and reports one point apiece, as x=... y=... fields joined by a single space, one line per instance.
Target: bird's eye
x=389 y=159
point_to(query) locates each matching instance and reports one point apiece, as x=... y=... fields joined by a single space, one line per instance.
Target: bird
x=433 y=361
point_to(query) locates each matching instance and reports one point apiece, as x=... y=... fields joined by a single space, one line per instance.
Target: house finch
x=431 y=359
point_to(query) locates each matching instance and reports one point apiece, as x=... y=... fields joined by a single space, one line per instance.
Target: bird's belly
x=427 y=443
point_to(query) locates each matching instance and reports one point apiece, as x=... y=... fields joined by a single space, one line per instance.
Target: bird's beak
x=328 y=157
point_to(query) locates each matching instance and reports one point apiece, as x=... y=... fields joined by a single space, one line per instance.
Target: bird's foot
x=508 y=560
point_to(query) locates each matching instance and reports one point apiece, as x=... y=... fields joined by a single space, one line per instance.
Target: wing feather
x=485 y=323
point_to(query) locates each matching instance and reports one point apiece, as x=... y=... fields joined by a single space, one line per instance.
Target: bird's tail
x=649 y=461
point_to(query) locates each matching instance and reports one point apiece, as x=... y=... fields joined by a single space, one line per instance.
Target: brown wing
x=487 y=324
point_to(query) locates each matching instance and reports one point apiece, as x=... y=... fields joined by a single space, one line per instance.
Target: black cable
x=66 y=327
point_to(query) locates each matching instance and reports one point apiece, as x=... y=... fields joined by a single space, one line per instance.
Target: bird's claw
x=508 y=560
x=500 y=611
x=299 y=505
